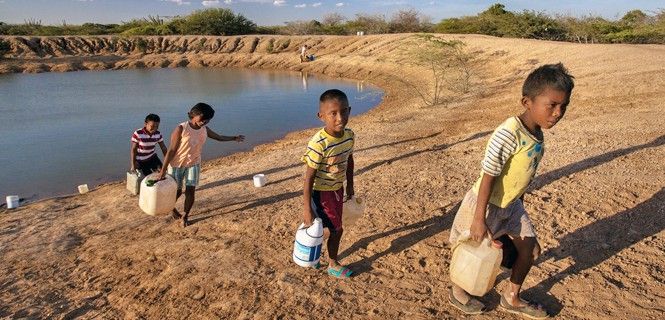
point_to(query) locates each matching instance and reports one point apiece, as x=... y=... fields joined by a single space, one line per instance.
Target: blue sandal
x=341 y=273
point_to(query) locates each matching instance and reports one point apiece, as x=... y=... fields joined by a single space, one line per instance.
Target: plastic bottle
x=160 y=197
x=474 y=266
x=354 y=208
x=307 y=247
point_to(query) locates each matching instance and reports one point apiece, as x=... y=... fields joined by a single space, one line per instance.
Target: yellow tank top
x=512 y=156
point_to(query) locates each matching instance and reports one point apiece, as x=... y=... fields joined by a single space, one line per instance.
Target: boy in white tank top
x=183 y=158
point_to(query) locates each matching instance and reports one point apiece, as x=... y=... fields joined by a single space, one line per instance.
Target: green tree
x=217 y=21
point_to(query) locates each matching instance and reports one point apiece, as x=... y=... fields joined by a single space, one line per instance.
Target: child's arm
x=308 y=215
x=163 y=147
x=349 y=177
x=478 y=226
x=170 y=153
x=215 y=136
x=132 y=154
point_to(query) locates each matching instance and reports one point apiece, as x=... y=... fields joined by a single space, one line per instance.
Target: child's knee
x=526 y=246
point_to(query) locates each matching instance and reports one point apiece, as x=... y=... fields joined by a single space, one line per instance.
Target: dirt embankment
x=597 y=203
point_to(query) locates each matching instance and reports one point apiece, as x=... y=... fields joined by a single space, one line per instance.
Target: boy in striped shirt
x=329 y=162
x=142 y=152
x=493 y=207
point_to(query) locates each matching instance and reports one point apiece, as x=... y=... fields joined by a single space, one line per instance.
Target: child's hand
x=239 y=138
x=479 y=230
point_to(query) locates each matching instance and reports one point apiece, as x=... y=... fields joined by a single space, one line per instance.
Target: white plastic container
x=83 y=189
x=134 y=182
x=307 y=247
x=12 y=202
x=354 y=208
x=160 y=198
x=474 y=266
x=260 y=180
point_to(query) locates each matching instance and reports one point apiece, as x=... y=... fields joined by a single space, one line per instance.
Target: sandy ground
x=598 y=202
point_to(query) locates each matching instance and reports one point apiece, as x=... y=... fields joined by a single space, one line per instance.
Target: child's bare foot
x=175 y=214
x=513 y=304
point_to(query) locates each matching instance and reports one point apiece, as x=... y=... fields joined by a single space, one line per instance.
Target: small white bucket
x=83 y=189
x=260 y=180
x=12 y=202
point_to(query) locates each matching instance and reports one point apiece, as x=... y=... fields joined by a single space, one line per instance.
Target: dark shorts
x=328 y=205
x=149 y=165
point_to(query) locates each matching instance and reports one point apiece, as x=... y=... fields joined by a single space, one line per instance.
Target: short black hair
x=203 y=109
x=152 y=117
x=553 y=76
x=334 y=94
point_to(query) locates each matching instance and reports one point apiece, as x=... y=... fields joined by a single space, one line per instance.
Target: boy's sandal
x=341 y=273
x=473 y=306
x=531 y=311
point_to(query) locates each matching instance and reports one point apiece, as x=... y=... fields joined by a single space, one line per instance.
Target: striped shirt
x=146 y=143
x=329 y=156
x=512 y=156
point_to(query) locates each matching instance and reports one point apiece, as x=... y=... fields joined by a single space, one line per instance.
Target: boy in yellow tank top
x=183 y=158
x=493 y=207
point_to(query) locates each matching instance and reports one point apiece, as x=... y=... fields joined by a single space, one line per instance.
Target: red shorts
x=328 y=205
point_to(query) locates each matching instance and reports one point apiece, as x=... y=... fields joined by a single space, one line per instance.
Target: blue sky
x=275 y=12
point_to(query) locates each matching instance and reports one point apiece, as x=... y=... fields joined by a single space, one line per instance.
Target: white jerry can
x=160 y=197
x=134 y=182
x=475 y=265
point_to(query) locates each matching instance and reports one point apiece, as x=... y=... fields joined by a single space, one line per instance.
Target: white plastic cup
x=12 y=202
x=83 y=189
x=260 y=180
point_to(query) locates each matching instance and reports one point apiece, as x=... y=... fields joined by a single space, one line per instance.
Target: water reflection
x=303 y=76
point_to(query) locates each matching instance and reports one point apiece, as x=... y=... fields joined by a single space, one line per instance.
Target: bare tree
x=406 y=20
x=449 y=65
x=370 y=24
x=333 y=19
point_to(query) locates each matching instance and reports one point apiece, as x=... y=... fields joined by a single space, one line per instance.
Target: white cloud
x=316 y=4
x=279 y=3
x=300 y=5
x=178 y=2
x=339 y=4
x=228 y=1
x=210 y=3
